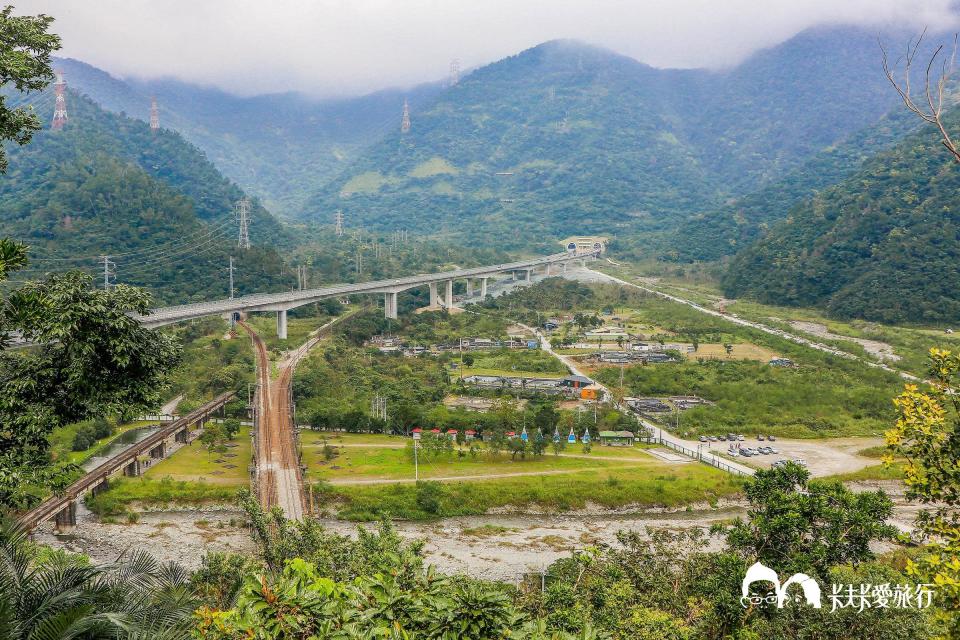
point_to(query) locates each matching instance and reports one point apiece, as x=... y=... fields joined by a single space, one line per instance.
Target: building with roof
x=617 y=438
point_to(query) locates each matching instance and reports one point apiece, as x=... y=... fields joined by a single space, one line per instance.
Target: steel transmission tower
x=108 y=272
x=154 y=115
x=454 y=78
x=243 y=216
x=405 y=120
x=60 y=106
x=338 y=219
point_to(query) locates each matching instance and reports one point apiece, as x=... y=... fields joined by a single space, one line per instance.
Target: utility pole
x=60 y=105
x=338 y=220
x=242 y=209
x=107 y=272
x=299 y=278
x=231 y=277
x=359 y=261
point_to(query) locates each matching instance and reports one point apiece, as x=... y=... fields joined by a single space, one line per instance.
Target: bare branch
x=934 y=89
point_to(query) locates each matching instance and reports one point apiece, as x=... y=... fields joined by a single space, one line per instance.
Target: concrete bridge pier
x=181 y=436
x=448 y=298
x=100 y=488
x=546 y=270
x=433 y=295
x=483 y=288
x=159 y=451
x=390 y=305
x=66 y=518
x=133 y=469
x=282 y=324
x=469 y=287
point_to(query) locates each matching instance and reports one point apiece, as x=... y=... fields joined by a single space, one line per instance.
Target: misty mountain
x=568 y=138
x=278 y=147
x=884 y=244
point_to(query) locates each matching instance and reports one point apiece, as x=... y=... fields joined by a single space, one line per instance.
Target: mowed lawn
x=381 y=457
x=193 y=462
x=656 y=485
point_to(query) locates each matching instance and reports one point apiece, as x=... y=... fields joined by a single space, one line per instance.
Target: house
x=469 y=435
x=452 y=433
x=655 y=358
x=616 y=438
x=551 y=325
x=576 y=382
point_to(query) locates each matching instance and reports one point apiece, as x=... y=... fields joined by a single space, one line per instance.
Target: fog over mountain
x=348 y=48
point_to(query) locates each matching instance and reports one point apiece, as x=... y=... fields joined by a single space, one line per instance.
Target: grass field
x=873 y=472
x=149 y=492
x=911 y=343
x=194 y=463
x=369 y=463
x=298 y=330
x=657 y=485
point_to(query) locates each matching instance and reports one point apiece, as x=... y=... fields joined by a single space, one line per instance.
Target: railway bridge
x=63 y=508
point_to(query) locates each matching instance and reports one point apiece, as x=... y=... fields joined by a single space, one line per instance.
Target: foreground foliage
x=927 y=435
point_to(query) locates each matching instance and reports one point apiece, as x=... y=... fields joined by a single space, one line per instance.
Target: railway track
x=279 y=478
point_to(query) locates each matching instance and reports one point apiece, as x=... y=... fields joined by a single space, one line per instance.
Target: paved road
x=757 y=325
x=664 y=436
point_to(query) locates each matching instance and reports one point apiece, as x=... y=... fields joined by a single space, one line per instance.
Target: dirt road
x=279 y=480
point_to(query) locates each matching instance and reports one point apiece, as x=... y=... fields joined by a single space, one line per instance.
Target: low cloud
x=344 y=47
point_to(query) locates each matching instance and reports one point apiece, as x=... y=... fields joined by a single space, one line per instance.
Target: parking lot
x=823 y=457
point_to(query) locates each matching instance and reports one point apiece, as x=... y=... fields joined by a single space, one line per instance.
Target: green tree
x=93 y=359
x=797 y=526
x=25 y=48
x=927 y=438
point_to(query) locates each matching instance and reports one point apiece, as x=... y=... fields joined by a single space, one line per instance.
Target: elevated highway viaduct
x=440 y=284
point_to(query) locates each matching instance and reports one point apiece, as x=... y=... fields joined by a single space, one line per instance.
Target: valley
x=304 y=335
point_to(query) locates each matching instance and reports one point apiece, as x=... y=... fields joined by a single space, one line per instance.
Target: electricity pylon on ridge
x=405 y=119
x=60 y=105
x=338 y=219
x=242 y=209
x=154 y=115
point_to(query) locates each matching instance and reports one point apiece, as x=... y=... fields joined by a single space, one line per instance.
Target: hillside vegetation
x=567 y=138
x=106 y=185
x=881 y=245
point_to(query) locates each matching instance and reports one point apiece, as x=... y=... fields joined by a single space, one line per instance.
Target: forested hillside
x=566 y=138
x=731 y=227
x=883 y=244
x=279 y=147
x=106 y=185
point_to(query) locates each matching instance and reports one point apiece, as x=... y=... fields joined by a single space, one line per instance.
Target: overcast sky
x=344 y=47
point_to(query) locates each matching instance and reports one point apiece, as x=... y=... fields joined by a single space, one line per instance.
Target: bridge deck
x=53 y=505
x=290 y=299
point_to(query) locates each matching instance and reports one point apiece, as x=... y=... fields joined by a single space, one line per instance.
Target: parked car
x=760 y=437
x=712 y=438
x=773 y=450
x=702 y=438
x=778 y=463
x=772 y=438
x=740 y=437
x=800 y=461
x=746 y=452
